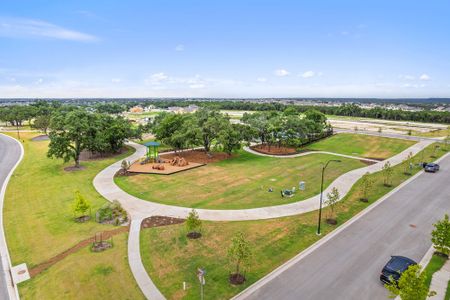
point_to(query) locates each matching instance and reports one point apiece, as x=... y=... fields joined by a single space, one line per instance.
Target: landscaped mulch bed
x=45 y=265
x=274 y=150
x=198 y=156
x=42 y=137
x=156 y=221
x=88 y=155
x=74 y=169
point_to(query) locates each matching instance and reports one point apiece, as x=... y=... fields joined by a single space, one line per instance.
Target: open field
x=375 y=147
x=87 y=275
x=38 y=218
x=239 y=182
x=170 y=258
x=390 y=126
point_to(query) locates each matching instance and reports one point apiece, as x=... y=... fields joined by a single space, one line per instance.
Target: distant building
x=182 y=110
x=136 y=109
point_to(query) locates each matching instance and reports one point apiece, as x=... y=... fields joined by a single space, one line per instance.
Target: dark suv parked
x=431 y=167
x=395 y=267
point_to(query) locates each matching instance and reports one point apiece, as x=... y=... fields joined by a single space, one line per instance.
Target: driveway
x=348 y=265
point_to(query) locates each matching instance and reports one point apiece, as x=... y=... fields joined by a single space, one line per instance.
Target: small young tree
x=440 y=236
x=411 y=285
x=193 y=225
x=239 y=252
x=366 y=185
x=125 y=165
x=80 y=207
x=355 y=128
x=408 y=164
x=435 y=148
x=387 y=172
x=332 y=200
x=380 y=130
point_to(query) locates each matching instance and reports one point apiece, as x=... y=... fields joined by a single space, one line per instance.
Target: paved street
x=9 y=154
x=349 y=264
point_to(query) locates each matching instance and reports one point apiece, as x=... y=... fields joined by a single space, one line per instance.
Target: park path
x=139 y=208
x=248 y=149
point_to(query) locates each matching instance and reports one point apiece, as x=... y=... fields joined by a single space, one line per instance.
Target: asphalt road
x=349 y=264
x=9 y=155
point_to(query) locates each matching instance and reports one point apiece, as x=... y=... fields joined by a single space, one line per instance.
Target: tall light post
x=321 y=193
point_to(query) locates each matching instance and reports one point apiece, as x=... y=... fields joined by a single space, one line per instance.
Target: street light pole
x=321 y=194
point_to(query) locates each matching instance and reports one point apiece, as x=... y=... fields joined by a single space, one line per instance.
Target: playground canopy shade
x=152 y=144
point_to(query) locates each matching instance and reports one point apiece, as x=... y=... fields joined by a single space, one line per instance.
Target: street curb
x=6 y=259
x=254 y=287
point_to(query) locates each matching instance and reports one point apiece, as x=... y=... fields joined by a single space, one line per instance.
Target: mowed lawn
x=239 y=182
x=87 y=275
x=368 y=146
x=39 y=223
x=170 y=258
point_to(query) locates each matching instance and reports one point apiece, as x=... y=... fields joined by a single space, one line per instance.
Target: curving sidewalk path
x=140 y=209
x=248 y=149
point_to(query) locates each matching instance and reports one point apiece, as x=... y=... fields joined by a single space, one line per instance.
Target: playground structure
x=152 y=163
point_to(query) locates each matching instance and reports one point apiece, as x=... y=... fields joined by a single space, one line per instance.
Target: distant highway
x=348 y=265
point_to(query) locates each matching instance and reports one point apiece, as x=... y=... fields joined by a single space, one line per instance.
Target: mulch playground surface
x=150 y=222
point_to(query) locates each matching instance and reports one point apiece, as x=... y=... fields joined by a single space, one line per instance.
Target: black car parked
x=395 y=267
x=431 y=167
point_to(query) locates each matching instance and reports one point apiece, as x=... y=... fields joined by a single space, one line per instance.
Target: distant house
x=176 y=109
x=183 y=110
x=136 y=109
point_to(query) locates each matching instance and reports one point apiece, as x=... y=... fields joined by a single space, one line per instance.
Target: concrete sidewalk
x=139 y=208
x=248 y=149
x=440 y=281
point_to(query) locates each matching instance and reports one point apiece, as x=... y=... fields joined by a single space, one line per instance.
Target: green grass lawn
x=170 y=258
x=38 y=219
x=361 y=145
x=239 y=182
x=86 y=275
x=435 y=264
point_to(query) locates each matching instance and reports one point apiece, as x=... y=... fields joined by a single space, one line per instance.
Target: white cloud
x=116 y=80
x=157 y=78
x=309 y=74
x=197 y=86
x=30 y=28
x=425 y=77
x=261 y=79
x=407 y=77
x=179 y=48
x=281 y=72
x=39 y=81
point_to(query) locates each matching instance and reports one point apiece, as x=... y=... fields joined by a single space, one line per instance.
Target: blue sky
x=224 y=48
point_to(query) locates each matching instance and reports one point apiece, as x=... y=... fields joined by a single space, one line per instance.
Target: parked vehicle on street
x=395 y=267
x=431 y=167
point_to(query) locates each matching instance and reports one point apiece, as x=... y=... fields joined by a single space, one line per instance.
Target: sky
x=166 y=48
